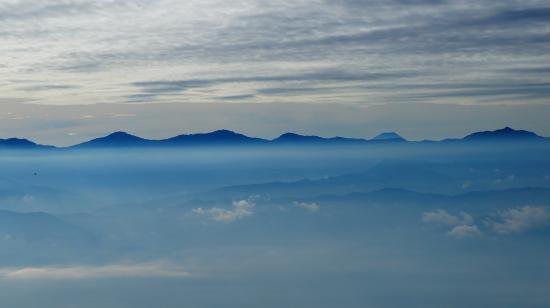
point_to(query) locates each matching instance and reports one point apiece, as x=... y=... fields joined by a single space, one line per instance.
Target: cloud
x=510 y=221
x=48 y=87
x=240 y=210
x=189 y=51
x=462 y=225
x=154 y=88
x=442 y=217
x=238 y=97
x=310 y=207
x=28 y=198
x=464 y=231
x=538 y=14
x=167 y=86
x=123 y=115
x=137 y=270
x=519 y=220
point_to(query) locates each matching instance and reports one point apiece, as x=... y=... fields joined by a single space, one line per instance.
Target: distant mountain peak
x=121 y=134
x=506 y=133
x=118 y=138
x=389 y=136
x=290 y=135
x=225 y=132
x=18 y=143
x=222 y=136
x=293 y=137
x=118 y=133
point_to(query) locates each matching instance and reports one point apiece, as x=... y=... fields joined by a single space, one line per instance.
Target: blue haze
x=374 y=225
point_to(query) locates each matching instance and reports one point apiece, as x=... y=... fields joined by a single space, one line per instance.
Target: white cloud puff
x=310 y=207
x=520 y=220
x=28 y=198
x=443 y=217
x=241 y=209
x=464 y=231
x=462 y=224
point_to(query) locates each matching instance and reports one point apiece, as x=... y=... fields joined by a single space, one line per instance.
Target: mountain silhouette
x=506 y=133
x=116 y=139
x=17 y=143
x=292 y=138
x=215 y=138
x=388 y=136
x=218 y=137
x=222 y=137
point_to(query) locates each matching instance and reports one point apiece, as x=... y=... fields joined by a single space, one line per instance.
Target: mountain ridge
x=121 y=139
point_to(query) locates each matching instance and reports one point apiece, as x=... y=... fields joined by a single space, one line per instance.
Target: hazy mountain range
x=226 y=137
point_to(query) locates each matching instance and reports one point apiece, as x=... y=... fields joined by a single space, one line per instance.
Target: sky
x=75 y=69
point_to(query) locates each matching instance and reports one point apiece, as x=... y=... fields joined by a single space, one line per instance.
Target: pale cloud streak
x=240 y=210
x=136 y=270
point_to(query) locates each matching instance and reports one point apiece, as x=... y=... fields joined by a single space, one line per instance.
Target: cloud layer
x=352 y=51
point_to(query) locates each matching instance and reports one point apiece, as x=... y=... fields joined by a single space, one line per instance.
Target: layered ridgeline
x=229 y=138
